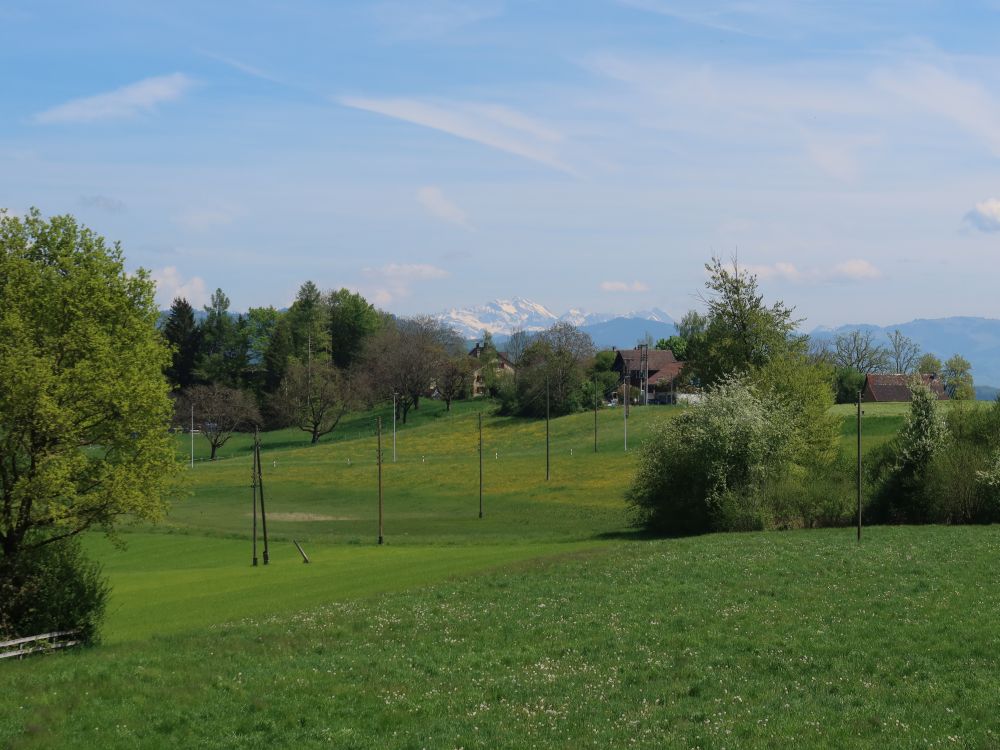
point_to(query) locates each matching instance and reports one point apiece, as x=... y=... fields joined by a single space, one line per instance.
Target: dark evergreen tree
x=182 y=334
x=225 y=344
x=352 y=321
x=276 y=355
x=309 y=318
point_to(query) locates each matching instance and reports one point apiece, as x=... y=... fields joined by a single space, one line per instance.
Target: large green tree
x=352 y=321
x=742 y=332
x=957 y=374
x=84 y=403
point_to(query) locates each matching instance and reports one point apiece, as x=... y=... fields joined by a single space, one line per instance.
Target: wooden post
x=595 y=412
x=480 y=464
x=260 y=486
x=859 y=466
x=546 y=428
x=378 y=437
x=305 y=557
x=253 y=485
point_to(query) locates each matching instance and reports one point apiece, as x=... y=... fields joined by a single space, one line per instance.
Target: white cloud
x=393 y=281
x=624 y=286
x=201 y=219
x=432 y=18
x=170 y=284
x=103 y=202
x=243 y=67
x=125 y=102
x=432 y=199
x=965 y=103
x=491 y=125
x=855 y=270
x=779 y=270
x=848 y=270
x=985 y=216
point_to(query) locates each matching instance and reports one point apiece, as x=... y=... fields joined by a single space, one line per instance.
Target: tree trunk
x=214 y=448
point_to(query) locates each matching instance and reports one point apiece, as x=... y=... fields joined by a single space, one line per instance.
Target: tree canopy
x=84 y=403
x=742 y=332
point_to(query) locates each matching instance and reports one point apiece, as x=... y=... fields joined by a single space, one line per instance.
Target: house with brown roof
x=503 y=366
x=660 y=366
x=881 y=388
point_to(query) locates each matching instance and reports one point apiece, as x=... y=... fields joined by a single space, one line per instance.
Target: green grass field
x=547 y=623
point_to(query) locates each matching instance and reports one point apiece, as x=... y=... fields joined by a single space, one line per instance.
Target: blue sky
x=590 y=154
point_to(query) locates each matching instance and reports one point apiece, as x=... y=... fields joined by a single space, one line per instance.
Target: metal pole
x=480 y=464
x=260 y=486
x=192 y=438
x=859 y=466
x=394 y=427
x=595 y=412
x=546 y=428
x=378 y=437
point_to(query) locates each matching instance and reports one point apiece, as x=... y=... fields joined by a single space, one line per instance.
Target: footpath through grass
x=740 y=640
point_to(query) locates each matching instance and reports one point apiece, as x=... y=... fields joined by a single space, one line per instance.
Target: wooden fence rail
x=21 y=647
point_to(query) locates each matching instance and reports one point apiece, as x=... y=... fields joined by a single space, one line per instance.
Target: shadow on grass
x=631 y=535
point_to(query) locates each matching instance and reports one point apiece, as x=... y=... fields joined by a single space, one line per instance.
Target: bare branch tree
x=858 y=351
x=405 y=357
x=314 y=397
x=903 y=352
x=219 y=410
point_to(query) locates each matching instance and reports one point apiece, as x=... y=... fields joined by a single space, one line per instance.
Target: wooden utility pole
x=546 y=428
x=253 y=486
x=480 y=464
x=625 y=390
x=378 y=437
x=595 y=412
x=260 y=487
x=859 y=466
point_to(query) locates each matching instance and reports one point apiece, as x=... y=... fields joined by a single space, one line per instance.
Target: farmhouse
x=503 y=365
x=662 y=366
x=880 y=388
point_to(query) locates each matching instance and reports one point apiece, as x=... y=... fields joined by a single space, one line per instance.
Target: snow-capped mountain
x=500 y=317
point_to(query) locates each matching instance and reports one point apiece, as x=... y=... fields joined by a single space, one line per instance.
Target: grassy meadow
x=547 y=623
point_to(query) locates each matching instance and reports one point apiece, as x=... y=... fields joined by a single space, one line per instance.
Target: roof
x=659 y=359
x=478 y=350
x=884 y=387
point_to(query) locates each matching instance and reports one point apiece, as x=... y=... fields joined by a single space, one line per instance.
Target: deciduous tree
x=315 y=397
x=903 y=353
x=84 y=404
x=957 y=375
x=219 y=410
x=859 y=351
x=742 y=332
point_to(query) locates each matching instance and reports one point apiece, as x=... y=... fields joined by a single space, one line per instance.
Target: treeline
x=305 y=366
x=846 y=358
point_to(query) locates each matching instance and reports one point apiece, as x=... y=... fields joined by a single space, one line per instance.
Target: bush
x=50 y=588
x=939 y=470
x=709 y=469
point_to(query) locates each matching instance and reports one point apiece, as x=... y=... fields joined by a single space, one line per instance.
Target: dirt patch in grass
x=298 y=517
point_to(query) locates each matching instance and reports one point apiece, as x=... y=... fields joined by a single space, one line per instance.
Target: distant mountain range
x=503 y=317
x=976 y=339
